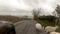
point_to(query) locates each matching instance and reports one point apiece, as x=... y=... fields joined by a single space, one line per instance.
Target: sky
x=25 y=7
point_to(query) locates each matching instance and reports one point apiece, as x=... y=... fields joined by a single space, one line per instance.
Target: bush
x=49 y=18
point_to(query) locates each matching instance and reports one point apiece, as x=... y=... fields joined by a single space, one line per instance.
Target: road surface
x=27 y=27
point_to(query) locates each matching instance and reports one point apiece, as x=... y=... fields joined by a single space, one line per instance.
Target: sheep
x=51 y=28
x=40 y=29
x=6 y=27
x=38 y=26
x=54 y=33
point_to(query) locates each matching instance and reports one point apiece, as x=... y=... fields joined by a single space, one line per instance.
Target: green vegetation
x=46 y=20
x=46 y=17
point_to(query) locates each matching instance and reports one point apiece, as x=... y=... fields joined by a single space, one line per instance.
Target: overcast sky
x=25 y=7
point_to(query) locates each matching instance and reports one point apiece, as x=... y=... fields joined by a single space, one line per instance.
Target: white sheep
x=40 y=29
x=38 y=26
x=54 y=33
x=51 y=28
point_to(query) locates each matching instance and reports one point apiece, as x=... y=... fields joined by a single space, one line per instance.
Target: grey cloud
x=19 y=7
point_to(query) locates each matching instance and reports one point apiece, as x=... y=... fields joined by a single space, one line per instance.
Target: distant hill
x=10 y=18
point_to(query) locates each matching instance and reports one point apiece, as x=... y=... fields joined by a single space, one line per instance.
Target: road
x=25 y=27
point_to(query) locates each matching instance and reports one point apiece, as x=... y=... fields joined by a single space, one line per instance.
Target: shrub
x=48 y=18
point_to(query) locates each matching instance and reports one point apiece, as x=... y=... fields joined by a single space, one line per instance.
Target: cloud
x=12 y=5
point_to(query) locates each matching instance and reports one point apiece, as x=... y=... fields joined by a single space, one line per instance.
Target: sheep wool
x=38 y=26
x=51 y=28
x=54 y=33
